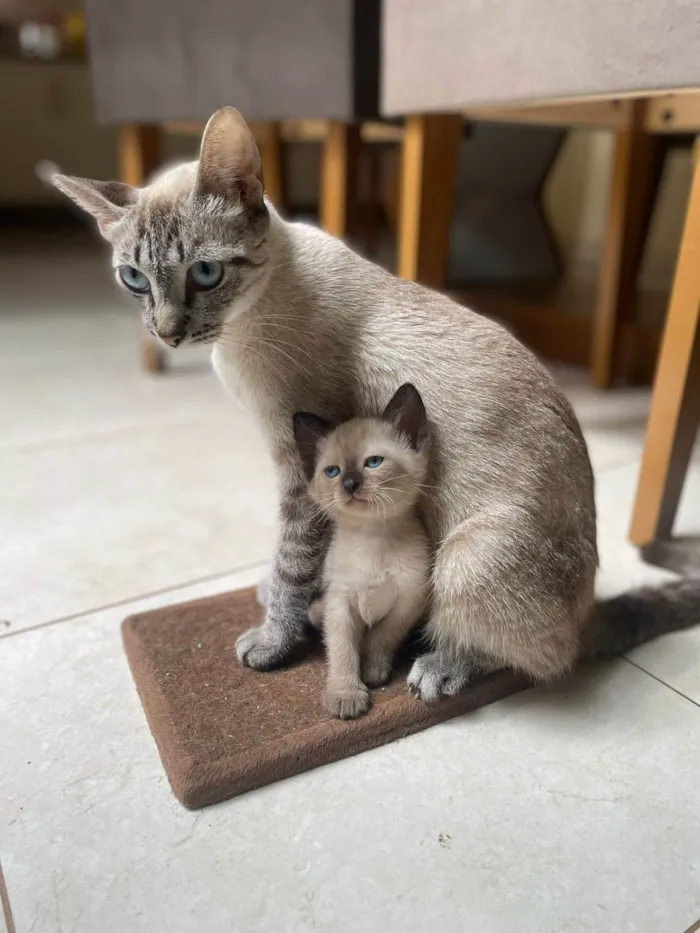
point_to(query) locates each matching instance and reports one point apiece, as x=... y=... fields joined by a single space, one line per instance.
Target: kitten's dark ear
x=407 y=412
x=309 y=430
x=229 y=162
x=107 y=201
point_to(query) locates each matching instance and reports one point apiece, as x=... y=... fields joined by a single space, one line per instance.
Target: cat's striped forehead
x=168 y=227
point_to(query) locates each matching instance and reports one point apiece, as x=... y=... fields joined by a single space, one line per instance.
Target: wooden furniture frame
x=675 y=403
x=429 y=158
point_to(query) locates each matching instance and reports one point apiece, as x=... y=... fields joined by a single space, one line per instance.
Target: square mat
x=223 y=729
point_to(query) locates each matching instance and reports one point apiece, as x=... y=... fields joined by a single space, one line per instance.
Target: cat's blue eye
x=134 y=280
x=206 y=275
x=374 y=462
x=332 y=471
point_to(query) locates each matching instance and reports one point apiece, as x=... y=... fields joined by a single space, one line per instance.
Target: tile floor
x=572 y=809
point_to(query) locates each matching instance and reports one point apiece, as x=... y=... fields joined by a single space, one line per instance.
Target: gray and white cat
x=299 y=322
x=367 y=476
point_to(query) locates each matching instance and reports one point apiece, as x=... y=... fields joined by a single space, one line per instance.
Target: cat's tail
x=622 y=623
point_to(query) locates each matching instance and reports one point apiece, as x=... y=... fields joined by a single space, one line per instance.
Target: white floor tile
x=675 y=658
x=574 y=810
x=88 y=523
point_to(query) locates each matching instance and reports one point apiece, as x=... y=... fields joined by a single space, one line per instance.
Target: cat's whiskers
x=246 y=341
x=272 y=341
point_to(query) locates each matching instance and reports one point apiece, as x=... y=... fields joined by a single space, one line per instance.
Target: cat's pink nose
x=172 y=341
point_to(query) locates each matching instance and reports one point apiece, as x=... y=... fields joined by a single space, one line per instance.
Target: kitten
x=367 y=476
x=299 y=322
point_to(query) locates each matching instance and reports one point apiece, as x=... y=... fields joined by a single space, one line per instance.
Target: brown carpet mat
x=223 y=729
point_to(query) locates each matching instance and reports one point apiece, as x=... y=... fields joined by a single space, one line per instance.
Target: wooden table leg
x=430 y=150
x=675 y=403
x=339 y=164
x=140 y=154
x=636 y=172
x=271 y=153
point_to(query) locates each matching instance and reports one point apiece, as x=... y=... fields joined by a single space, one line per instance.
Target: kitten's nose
x=351 y=482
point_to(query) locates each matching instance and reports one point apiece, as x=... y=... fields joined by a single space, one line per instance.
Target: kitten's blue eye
x=332 y=471
x=206 y=275
x=374 y=462
x=134 y=280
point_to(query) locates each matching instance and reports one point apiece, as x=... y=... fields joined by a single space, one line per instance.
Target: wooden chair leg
x=271 y=152
x=675 y=403
x=140 y=154
x=636 y=173
x=372 y=218
x=430 y=150
x=339 y=165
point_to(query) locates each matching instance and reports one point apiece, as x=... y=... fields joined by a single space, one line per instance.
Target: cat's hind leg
x=505 y=594
x=444 y=673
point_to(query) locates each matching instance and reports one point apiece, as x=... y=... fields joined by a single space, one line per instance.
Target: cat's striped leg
x=301 y=547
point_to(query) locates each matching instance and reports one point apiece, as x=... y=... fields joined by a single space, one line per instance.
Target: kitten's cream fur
x=300 y=322
x=377 y=568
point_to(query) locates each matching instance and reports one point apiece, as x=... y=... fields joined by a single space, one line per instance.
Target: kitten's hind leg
x=383 y=640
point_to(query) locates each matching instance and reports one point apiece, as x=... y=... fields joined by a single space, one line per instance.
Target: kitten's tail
x=622 y=623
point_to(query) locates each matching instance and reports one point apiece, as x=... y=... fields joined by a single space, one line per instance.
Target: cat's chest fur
x=372 y=566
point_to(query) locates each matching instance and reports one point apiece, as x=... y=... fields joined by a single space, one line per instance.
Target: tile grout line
x=6 y=906
x=135 y=599
x=662 y=682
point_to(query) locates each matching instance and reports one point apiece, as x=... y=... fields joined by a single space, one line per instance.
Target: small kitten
x=367 y=476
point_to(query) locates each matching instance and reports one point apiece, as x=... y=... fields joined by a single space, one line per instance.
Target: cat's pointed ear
x=107 y=201
x=407 y=412
x=309 y=431
x=229 y=162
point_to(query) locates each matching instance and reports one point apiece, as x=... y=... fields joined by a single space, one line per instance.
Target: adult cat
x=301 y=323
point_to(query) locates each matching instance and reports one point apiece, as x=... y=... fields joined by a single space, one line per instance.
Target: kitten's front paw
x=376 y=671
x=258 y=648
x=346 y=702
x=434 y=675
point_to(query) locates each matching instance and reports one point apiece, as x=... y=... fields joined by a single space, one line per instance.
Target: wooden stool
x=675 y=403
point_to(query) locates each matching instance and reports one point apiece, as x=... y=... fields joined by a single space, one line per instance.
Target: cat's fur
x=377 y=569
x=301 y=323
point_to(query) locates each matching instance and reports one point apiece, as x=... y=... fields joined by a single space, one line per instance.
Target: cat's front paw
x=434 y=675
x=346 y=702
x=260 y=649
x=376 y=671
